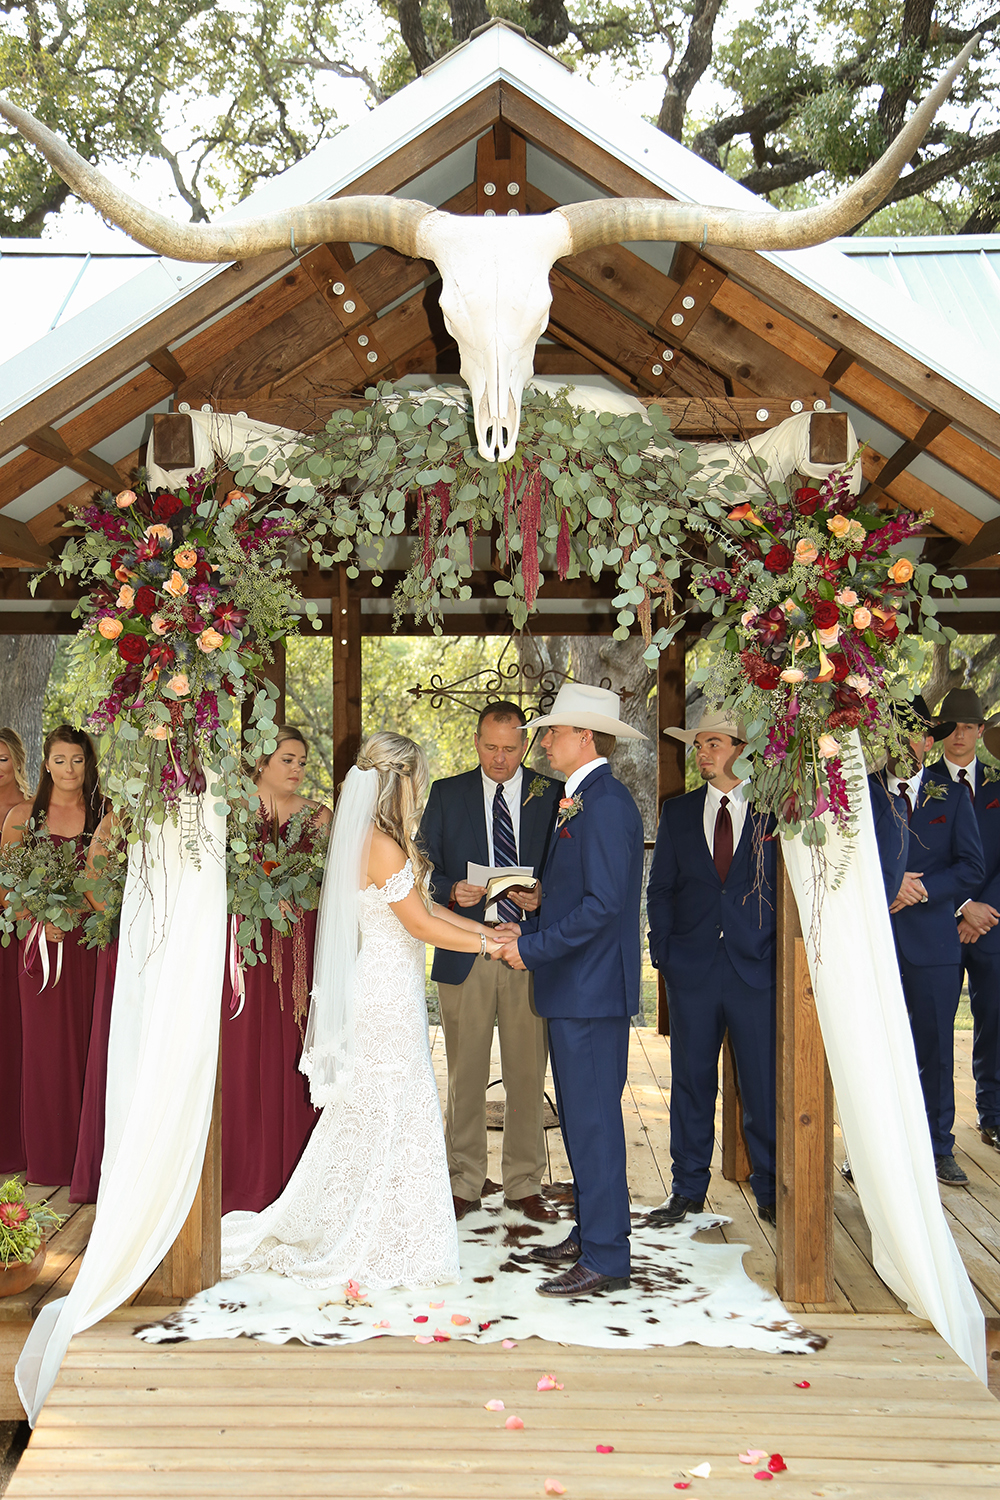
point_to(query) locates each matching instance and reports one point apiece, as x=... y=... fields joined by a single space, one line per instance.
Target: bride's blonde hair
x=403 y=780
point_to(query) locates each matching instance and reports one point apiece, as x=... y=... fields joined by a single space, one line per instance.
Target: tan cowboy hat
x=718 y=723
x=585 y=707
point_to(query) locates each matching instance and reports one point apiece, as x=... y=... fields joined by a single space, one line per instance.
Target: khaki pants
x=491 y=993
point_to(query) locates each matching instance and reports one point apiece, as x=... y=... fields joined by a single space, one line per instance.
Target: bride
x=370 y=1199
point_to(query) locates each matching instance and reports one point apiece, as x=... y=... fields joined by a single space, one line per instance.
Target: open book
x=498 y=880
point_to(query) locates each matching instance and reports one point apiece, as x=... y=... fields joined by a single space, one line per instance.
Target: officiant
x=495 y=815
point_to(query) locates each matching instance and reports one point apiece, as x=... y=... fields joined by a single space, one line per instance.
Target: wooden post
x=805 y=1121
x=735 y=1155
x=346 y=678
x=671 y=691
x=274 y=671
x=194 y=1261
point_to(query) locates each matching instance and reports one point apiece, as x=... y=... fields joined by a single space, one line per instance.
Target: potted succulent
x=23 y=1226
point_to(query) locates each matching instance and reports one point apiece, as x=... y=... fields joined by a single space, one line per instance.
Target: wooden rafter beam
x=52 y=445
x=18 y=547
x=904 y=455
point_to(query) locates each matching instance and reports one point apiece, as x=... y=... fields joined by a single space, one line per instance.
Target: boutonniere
x=538 y=788
x=568 y=808
x=934 y=791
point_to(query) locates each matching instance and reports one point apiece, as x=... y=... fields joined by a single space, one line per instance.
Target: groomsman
x=583 y=946
x=495 y=815
x=946 y=869
x=978 y=929
x=712 y=934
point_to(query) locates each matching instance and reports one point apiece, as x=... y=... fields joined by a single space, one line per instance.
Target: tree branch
x=689 y=70
x=411 y=29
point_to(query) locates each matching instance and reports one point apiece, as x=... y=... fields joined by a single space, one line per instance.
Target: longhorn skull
x=495 y=294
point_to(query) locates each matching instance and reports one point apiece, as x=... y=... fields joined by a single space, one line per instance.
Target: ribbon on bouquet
x=38 y=941
x=237 y=977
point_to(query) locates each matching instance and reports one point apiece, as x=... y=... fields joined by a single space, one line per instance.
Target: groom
x=583 y=949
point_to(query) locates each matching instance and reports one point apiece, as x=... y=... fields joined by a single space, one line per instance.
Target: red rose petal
x=777 y=1464
x=682 y=1484
x=763 y=1474
x=803 y=1385
x=421 y=1319
x=605 y=1448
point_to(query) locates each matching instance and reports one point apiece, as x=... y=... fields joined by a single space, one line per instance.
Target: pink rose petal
x=548 y=1383
x=384 y=1324
x=763 y=1474
x=605 y=1448
x=514 y=1423
x=553 y=1487
x=459 y=1319
x=751 y=1455
x=435 y=1304
x=423 y=1338
x=509 y=1344
x=494 y=1406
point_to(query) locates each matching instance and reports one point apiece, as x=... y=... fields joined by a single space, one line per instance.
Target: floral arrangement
x=186 y=594
x=43 y=882
x=22 y=1224
x=812 y=609
x=275 y=879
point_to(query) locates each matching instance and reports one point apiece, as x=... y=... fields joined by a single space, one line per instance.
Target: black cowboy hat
x=917 y=716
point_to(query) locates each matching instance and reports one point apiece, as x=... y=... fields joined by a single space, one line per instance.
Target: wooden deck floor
x=890 y=1411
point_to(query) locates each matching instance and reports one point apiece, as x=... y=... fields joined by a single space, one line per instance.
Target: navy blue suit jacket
x=583 y=944
x=453 y=832
x=690 y=911
x=892 y=834
x=946 y=849
x=988 y=823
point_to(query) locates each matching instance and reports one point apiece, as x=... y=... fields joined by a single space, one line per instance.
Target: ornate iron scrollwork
x=514 y=677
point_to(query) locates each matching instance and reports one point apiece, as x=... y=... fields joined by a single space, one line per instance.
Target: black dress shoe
x=949 y=1171
x=990 y=1136
x=675 y=1210
x=578 y=1281
x=551 y=1255
x=768 y=1212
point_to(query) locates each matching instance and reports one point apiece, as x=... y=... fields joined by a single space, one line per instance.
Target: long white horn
x=366 y=220
x=613 y=221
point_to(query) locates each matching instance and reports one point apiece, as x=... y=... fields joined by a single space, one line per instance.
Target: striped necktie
x=504 y=850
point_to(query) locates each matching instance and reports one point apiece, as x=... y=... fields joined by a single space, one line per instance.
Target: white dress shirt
x=909 y=784
x=512 y=797
x=970 y=770
x=737 y=807
x=581 y=773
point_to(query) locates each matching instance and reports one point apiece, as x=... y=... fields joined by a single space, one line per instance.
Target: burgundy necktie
x=904 y=792
x=963 y=777
x=722 y=843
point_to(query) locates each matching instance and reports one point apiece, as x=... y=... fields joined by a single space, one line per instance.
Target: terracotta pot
x=19 y=1275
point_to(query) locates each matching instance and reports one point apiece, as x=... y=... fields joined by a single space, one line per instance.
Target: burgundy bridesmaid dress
x=11 y=1140
x=55 y=1036
x=266 y=1114
x=90 y=1148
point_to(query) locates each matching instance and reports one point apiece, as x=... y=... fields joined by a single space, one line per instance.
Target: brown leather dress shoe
x=463 y=1205
x=533 y=1207
x=551 y=1255
x=578 y=1281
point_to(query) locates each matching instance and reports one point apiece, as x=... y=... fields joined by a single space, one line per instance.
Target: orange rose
x=862 y=618
x=163 y=532
x=805 y=552
x=830 y=636
x=901 y=570
x=157 y=731
x=179 y=684
x=176 y=587
x=125 y=498
x=838 y=526
x=126 y=597
x=210 y=640
x=185 y=557
x=236 y=495
x=110 y=629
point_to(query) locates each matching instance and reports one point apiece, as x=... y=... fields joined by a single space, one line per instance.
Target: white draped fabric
x=162 y=1058
x=219 y=434
x=855 y=978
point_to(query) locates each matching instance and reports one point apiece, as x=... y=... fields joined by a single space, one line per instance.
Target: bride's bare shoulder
x=385 y=857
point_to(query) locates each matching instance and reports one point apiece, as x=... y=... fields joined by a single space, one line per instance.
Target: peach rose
x=827 y=746
x=126 y=597
x=830 y=636
x=110 y=629
x=179 y=684
x=125 y=498
x=793 y=674
x=163 y=532
x=862 y=618
x=156 y=731
x=901 y=570
x=856 y=531
x=159 y=625
x=176 y=587
x=185 y=557
x=236 y=495
x=860 y=683
x=805 y=552
x=748 y=617
x=838 y=526
x=847 y=597
x=790 y=606
x=210 y=640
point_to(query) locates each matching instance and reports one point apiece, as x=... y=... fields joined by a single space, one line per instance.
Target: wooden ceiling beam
x=501 y=175
x=913 y=494
x=51 y=445
x=166 y=365
x=19 y=548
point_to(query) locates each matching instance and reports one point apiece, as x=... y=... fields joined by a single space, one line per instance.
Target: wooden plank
x=912 y=493
x=772 y=327
x=194 y=1261
x=18 y=543
x=736 y=1165
x=13 y=1333
x=805 y=1122
x=346 y=677
x=50 y=444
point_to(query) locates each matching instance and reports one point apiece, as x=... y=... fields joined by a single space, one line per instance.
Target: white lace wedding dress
x=370 y=1199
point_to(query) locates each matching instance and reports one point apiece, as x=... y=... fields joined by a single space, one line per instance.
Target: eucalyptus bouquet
x=43 y=883
x=22 y=1224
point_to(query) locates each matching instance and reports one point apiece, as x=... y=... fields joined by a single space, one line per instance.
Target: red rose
x=825 y=614
x=132 y=647
x=779 y=559
x=806 y=501
x=167 y=506
x=838 y=662
x=145 y=601
x=203 y=570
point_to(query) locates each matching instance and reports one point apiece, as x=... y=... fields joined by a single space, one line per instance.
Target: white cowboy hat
x=717 y=723
x=585 y=707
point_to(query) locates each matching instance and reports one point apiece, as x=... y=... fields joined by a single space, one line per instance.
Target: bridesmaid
x=55 y=1022
x=13 y=792
x=90 y=1147
x=266 y=1114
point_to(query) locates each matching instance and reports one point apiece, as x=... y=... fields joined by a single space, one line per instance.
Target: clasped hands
x=977 y=918
x=506 y=935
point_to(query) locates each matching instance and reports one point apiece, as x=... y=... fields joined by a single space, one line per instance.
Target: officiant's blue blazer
x=892 y=834
x=690 y=911
x=583 y=943
x=453 y=832
x=946 y=848
x=988 y=822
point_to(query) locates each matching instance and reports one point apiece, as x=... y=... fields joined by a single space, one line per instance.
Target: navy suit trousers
x=590 y=1067
x=983 y=970
x=931 y=992
x=699 y=1019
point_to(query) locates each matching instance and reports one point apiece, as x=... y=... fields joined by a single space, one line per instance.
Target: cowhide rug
x=683 y=1291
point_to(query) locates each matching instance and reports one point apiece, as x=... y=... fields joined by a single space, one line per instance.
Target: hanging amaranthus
x=562 y=547
x=529 y=520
